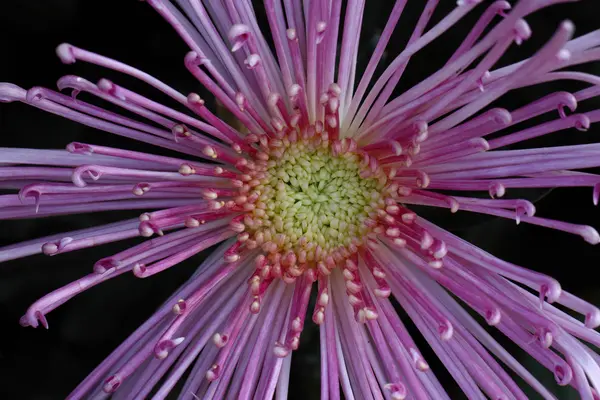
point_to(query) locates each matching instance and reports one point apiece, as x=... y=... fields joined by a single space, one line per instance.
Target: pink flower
x=309 y=192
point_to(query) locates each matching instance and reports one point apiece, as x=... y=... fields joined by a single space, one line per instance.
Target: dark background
x=40 y=364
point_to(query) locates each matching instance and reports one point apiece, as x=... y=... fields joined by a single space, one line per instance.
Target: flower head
x=309 y=193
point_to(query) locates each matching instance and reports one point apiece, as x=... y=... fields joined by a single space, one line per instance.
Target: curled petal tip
x=497 y=190
x=52 y=248
x=79 y=148
x=522 y=31
x=111 y=384
x=141 y=188
x=273 y=98
x=220 y=340
x=563 y=55
x=446 y=331
x=33 y=318
x=77 y=176
x=162 y=348
x=418 y=360
x=240 y=100
x=139 y=270
x=213 y=373
x=568 y=100
x=64 y=51
x=493 y=317
x=32 y=190
x=590 y=234
x=238 y=35
x=563 y=374
x=49 y=248
x=105 y=265
x=180 y=307
x=252 y=60
x=72 y=81
x=545 y=338
x=423 y=180
x=581 y=122
x=550 y=290
x=106 y=86
x=35 y=94
x=526 y=207
x=193 y=58
x=501 y=5
x=194 y=98
x=321 y=28
x=481 y=144
x=231 y=258
x=592 y=319
x=281 y=351
x=567 y=26
x=291 y=34
x=397 y=391
x=501 y=116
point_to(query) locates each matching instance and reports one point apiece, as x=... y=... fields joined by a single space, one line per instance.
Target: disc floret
x=309 y=202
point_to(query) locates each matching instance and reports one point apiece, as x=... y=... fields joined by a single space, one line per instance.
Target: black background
x=40 y=364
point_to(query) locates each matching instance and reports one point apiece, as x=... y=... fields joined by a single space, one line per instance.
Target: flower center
x=308 y=202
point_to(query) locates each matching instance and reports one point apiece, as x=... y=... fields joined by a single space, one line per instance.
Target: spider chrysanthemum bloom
x=309 y=192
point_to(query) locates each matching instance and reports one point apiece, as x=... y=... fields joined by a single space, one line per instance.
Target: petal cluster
x=308 y=197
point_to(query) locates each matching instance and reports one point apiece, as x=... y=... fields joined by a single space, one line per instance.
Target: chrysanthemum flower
x=309 y=193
